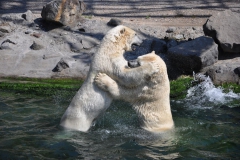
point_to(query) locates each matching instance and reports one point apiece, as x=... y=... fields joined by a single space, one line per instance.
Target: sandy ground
x=152 y=12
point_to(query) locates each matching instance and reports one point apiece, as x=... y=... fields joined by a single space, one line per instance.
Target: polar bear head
x=148 y=58
x=123 y=36
x=141 y=60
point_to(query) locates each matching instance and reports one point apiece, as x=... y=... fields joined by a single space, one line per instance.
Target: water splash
x=206 y=93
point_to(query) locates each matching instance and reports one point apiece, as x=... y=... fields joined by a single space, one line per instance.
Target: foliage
x=179 y=87
x=49 y=87
x=42 y=87
x=231 y=86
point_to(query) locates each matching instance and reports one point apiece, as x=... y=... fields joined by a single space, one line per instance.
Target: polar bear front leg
x=131 y=77
x=106 y=83
x=117 y=91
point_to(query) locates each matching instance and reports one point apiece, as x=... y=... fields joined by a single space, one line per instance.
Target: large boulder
x=193 y=55
x=225 y=71
x=67 y=12
x=224 y=27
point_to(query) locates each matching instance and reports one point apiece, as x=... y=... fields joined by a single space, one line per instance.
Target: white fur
x=91 y=101
x=150 y=99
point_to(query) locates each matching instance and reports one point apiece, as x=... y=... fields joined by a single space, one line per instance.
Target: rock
x=5 y=28
x=178 y=36
x=181 y=64
x=88 y=42
x=37 y=35
x=203 y=47
x=171 y=29
x=76 y=47
x=36 y=46
x=7 y=44
x=81 y=30
x=224 y=27
x=1 y=34
x=67 y=12
x=171 y=43
x=225 y=71
x=27 y=32
x=114 y=22
x=62 y=64
x=28 y=16
x=159 y=46
x=15 y=18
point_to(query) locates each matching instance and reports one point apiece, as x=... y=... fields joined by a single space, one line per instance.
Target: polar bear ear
x=153 y=52
x=122 y=31
x=117 y=36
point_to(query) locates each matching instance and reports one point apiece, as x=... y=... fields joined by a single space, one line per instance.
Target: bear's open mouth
x=134 y=46
x=133 y=63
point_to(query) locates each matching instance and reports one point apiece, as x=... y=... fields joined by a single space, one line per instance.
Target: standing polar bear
x=151 y=100
x=90 y=101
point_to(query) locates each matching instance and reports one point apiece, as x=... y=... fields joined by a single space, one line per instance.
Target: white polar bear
x=151 y=100
x=91 y=101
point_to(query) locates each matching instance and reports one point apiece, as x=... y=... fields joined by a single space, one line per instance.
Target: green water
x=29 y=129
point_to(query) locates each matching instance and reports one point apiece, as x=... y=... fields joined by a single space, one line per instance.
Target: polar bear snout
x=133 y=63
x=136 y=42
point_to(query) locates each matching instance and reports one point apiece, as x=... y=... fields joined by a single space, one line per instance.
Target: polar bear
x=90 y=101
x=151 y=100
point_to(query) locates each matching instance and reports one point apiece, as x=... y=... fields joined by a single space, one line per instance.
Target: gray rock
x=171 y=29
x=224 y=27
x=203 y=47
x=76 y=46
x=179 y=64
x=159 y=46
x=114 y=22
x=89 y=42
x=5 y=28
x=62 y=64
x=178 y=36
x=1 y=34
x=225 y=71
x=66 y=12
x=7 y=44
x=171 y=43
x=36 y=46
x=36 y=35
x=28 y=16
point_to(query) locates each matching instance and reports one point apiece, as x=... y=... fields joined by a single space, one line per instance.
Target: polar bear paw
x=101 y=80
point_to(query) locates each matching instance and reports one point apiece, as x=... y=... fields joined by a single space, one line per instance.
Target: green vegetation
x=41 y=87
x=179 y=87
x=148 y=16
x=89 y=16
x=231 y=86
x=68 y=87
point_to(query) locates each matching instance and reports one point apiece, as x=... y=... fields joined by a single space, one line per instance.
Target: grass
x=49 y=87
x=231 y=86
x=148 y=16
x=89 y=16
x=42 y=87
x=179 y=87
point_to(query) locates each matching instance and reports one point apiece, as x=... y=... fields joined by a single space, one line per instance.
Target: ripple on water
x=203 y=129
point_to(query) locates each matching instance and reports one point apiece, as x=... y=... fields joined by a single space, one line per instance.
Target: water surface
x=205 y=128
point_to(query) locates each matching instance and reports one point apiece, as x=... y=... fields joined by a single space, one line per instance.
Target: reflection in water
x=205 y=127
